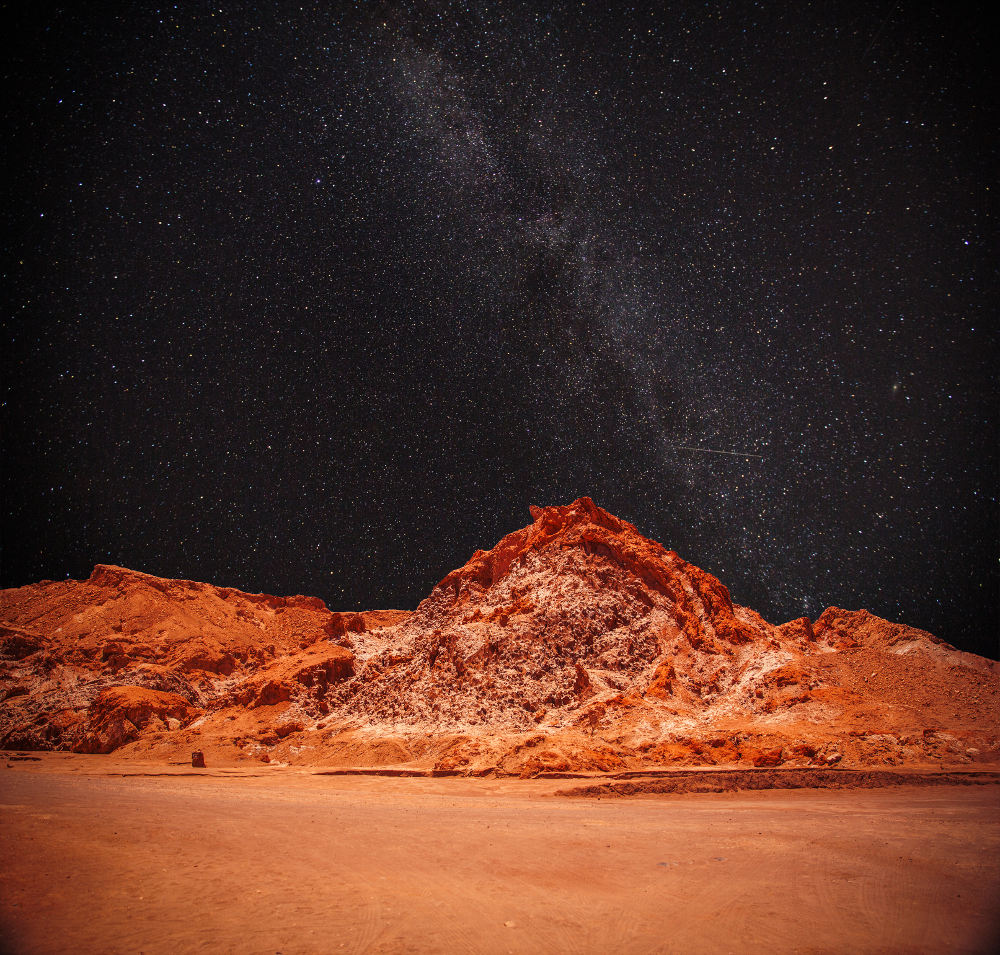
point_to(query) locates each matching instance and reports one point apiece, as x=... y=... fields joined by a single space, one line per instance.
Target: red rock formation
x=576 y=605
x=575 y=642
x=64 y=646
x=119 y=714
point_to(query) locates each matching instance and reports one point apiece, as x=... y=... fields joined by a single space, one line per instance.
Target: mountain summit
x=575 y=642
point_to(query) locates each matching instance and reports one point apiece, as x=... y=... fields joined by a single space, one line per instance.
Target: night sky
x=319 y=299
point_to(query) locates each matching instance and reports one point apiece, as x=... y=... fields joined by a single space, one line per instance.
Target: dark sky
x=320 y=299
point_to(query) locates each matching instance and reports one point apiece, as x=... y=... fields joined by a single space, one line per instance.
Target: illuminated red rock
x=67 y=645
x=119 y=714
x=576 y=605
x=578 y=624
x=574 y=643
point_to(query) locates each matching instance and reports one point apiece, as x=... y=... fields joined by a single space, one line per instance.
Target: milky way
x=319 y=299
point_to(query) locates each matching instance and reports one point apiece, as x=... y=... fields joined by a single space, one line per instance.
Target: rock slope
x=92 y=665
x=575 y=643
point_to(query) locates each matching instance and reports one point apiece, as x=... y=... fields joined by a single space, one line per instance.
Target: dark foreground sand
x=289 y=862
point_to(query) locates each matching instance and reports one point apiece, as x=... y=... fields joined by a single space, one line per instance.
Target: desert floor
x=280 y=860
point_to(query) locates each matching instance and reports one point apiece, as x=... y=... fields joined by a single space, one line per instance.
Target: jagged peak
x=585 y=525
x=553 y=524
x=582 y=511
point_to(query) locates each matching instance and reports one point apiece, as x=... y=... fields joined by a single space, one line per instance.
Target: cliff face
x=575 y=642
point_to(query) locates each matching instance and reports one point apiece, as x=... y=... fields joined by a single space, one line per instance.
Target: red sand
x=288 y=862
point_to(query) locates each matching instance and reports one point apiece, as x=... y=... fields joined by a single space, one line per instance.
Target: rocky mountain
x=574 y=643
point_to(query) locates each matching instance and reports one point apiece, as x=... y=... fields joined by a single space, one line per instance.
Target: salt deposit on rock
x=574 y=643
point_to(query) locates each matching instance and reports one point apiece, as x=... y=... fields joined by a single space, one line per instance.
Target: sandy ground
x=289 y=862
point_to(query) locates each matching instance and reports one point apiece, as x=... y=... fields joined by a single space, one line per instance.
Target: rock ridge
x=574 y=643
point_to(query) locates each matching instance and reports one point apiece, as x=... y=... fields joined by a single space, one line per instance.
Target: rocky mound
x=577 y=607
x=574 y=643
x=71 y=651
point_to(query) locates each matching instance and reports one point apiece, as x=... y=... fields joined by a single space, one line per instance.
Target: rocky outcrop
x=576 y=605
x=577 y=623
x=69 y=649
x=309 y=673
x=573 y=643
x=119 y=714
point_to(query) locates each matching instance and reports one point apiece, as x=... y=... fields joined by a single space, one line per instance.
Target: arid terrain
x=574 y=644
x=96 y=857
x=576 y=743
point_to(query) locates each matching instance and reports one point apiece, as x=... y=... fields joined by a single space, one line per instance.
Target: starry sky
x=319 y=297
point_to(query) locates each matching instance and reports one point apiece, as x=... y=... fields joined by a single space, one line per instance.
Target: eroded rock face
x=119 y=714
x=310 y=672
x=574 y=606
x=579 y=624
x=574 y=643
x=69 y=649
